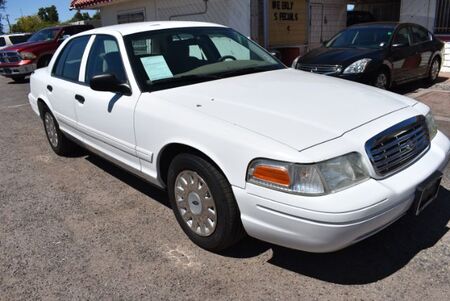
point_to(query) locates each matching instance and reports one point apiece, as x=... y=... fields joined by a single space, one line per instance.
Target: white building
x=292 y=26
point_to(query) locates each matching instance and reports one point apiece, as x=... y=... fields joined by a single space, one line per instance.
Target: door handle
x=80 y=98
x=50 y=88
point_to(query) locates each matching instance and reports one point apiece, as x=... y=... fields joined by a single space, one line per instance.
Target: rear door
x=423 y=44
x=106 y=119
x=403 y=55
x=64 y=82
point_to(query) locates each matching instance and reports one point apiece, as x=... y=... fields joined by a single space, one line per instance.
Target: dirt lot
x=80 y=228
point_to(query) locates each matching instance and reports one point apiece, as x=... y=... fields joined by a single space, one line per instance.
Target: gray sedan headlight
x=357 y=67
x=308 y=179
x=431 y=124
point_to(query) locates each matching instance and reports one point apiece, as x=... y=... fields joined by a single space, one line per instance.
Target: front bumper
x=10 y=70
x=363 y=78
x=369 y=207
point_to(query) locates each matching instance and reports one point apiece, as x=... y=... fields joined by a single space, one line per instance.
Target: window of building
x=442 y=22
x=131 y=16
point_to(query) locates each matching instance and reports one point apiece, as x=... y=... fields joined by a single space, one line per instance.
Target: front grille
x=398 y=146
x=9 y=57
x=321 y=69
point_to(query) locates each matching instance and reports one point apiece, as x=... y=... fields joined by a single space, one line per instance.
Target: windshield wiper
x=186 y=79
x=249 y=70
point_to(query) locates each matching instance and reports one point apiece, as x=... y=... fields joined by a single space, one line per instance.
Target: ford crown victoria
x=241 y=143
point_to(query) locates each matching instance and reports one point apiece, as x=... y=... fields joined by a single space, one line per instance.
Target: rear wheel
x=203 y=203
x=58 y=142
x=434 y=70
x=381 y=80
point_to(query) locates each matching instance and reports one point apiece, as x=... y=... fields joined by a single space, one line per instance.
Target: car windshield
x=362 y=37
x=175 y=57
x=44 y=35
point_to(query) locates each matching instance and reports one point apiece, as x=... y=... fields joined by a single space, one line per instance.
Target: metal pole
x=266 y=23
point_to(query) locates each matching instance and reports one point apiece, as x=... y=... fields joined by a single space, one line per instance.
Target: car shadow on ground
x=365 y=262
x=137 y=183
x=21 y=82
x=416 y=85
x=368 y=261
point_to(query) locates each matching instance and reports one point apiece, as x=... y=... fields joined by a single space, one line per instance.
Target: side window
x=402 y=36
x=2 y=42
x=197 y=52
x=419 y=34
x=19 y=39
x=105 y=58
x=69 y=61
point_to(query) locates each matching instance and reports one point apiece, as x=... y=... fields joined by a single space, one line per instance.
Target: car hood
x=292 y=107
x=340 y=56
x=25 y=46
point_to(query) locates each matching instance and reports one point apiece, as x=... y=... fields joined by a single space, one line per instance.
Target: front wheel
x=203 y=203
x=381 y=80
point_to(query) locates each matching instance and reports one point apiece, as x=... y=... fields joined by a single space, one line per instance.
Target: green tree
x=96 y=16
x=49 y=14
x=29 y=24
x=80 y=17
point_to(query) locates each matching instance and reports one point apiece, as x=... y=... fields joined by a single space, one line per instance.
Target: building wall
x=328 y=17
x=446 y=63
x=233 y=13
x=419 y=11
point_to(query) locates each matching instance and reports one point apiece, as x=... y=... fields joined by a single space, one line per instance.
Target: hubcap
x=195 y=203
x=381 y=81
x=50 y=128
x=435 y=70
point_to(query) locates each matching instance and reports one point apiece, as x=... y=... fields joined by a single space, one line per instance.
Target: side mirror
x=109 y=83
x=400 y=45
x=324 y=43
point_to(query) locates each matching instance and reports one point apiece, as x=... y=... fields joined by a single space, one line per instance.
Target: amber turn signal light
x=273 y=174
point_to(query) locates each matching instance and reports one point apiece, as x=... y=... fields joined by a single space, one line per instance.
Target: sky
x=17 y=8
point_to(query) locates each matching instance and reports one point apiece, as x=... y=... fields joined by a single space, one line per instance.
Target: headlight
x=357 y=67
x=431 y=124
x=308 y=179
x=27 y=56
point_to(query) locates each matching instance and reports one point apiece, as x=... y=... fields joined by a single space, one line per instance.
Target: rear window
x=19 y=39
x=2 y=42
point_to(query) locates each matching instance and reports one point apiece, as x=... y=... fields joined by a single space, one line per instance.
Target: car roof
x=131 y=28
x=15 y=34
x=378 y=24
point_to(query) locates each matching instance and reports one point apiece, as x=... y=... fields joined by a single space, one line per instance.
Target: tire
x=382 y=80
x=433 y=73
x=206 y=208
x=58 y=142
x=19 y=79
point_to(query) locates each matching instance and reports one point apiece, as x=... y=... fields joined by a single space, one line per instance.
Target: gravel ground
x=81 y=228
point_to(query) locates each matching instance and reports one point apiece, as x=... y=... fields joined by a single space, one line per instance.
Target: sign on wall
x=288 y=22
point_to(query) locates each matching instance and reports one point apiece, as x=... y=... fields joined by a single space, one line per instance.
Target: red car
x=20 y=60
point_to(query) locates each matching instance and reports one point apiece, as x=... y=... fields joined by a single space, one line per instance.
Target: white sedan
x=242 y=143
